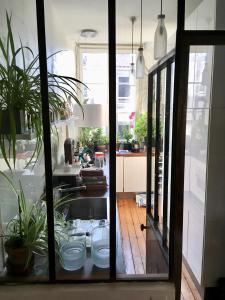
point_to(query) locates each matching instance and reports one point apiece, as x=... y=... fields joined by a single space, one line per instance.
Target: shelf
x=26 y=136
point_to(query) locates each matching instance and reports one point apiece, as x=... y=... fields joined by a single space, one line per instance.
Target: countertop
x=131 y=154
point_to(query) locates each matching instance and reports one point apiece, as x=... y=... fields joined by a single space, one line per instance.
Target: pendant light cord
x=161 y=8
x=141 y=27
x=133 y=19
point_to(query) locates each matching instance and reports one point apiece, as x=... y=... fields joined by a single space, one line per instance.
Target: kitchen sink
x=86 y=208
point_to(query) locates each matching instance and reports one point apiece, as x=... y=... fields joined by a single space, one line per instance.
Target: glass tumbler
x=73 y=252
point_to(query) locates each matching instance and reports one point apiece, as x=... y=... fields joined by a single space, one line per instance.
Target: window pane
x=123 y=79
x=202 y=15
x=81 y=159
x=23 y=223
x=124 y=90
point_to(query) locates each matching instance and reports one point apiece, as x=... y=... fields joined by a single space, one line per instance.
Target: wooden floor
x=134 y=245
x=133 y=239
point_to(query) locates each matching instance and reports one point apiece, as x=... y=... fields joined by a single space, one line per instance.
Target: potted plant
x=117 y=143
x=141 y=127
x=25 y=233
x=127 y=136
x=20 y=90
x=99 y=140
x=85 y=137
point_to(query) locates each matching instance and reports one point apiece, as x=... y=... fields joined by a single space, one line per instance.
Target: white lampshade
x=160 y=39
x=95 y=115
x=140 y=64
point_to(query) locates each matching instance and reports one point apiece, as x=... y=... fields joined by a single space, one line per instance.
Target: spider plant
x=20 y=90
x=26 y=232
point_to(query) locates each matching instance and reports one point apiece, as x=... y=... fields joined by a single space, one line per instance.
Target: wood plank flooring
x=133 y=239
x=134 y=245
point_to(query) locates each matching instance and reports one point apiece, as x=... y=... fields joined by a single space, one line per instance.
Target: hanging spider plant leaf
x=20 y=90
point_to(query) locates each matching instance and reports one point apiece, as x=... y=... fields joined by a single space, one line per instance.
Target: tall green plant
x=20 y=90
x=141 y=126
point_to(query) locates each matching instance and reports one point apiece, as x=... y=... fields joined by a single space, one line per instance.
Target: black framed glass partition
x=160 y=140
x=166 y=138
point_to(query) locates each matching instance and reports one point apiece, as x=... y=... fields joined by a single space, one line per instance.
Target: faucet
x=73 y=189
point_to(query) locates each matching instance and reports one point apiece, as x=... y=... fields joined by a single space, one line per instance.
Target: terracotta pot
x=100 y=148
x=16 y=263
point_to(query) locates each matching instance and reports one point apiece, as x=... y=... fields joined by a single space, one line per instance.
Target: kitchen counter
x=131 y=154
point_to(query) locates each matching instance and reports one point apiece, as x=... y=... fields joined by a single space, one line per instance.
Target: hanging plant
x=20 y=95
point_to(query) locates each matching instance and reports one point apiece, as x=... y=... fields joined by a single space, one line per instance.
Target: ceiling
x=75 y=15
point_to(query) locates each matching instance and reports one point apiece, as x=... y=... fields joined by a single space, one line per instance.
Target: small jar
x=100 y=245
x=99 y=159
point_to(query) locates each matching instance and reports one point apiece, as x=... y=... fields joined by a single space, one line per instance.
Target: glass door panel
x=153 y=144
x=80 y=137
x=159 y=155
x=23 y=229
x=160 y=131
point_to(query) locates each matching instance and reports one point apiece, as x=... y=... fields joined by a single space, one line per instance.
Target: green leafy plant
x=98 y=138
x=127 y=135
x=141 y=126
x=27 y=230
x=85 y=136
x=20 y=91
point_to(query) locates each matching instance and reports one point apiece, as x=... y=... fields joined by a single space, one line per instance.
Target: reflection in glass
x=161 y=146
x=153 y=144
x=23 y=220
x=80 y=149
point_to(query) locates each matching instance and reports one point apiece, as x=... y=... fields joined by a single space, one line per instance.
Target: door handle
x=144 y=227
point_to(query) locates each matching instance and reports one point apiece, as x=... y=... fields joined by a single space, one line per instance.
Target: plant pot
x=100 y=148
x=16 y=262
x=19 y=117
x=127 y=146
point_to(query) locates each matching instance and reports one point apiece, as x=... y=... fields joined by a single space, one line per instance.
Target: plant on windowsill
x=99 y=140
x=26 y=233
x=141 y=128
x=20 y=95
x=127 y=136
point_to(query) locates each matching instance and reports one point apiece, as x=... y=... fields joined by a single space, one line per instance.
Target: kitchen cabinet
x=131 y=173
x=119 y=174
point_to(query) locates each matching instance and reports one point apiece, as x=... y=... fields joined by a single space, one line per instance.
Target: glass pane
x=161 y=161
x=153 y=146
x=131 y=111
x=204 y=15
x=80 y=143
x=204 y=153
x=23 y=229
x=170 y=150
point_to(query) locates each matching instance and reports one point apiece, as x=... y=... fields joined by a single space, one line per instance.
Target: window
x=95 y=76
x=94 y=70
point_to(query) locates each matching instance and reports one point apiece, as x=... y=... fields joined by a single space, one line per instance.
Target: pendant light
x=132 y=68
x=140 y=63
x=160 y=39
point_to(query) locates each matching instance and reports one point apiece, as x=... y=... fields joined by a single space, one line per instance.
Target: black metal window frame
x=184 y=39
x=153 y=192
x=40 y=10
